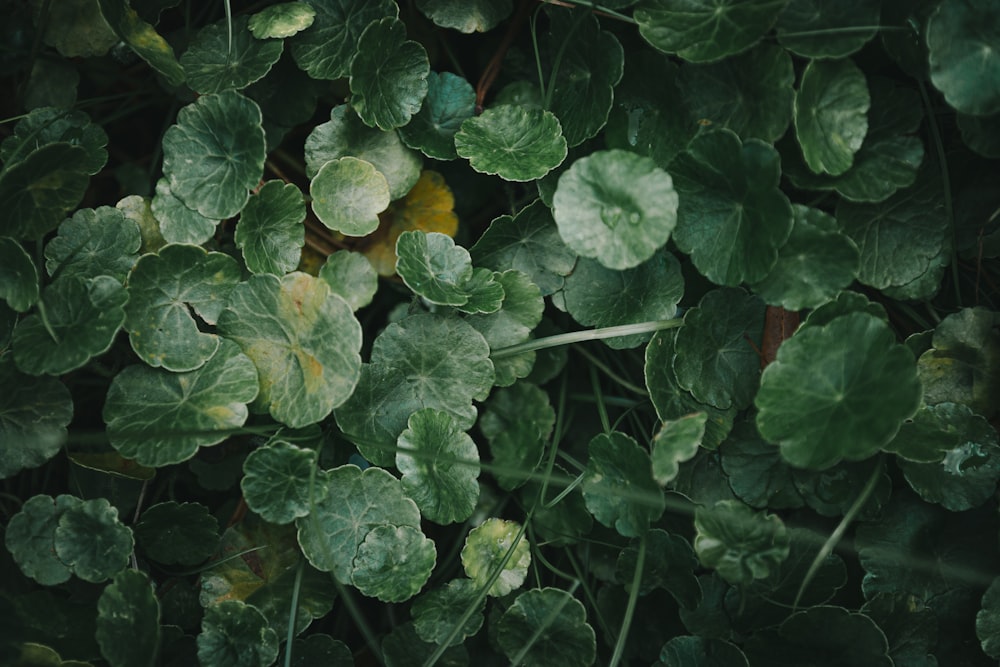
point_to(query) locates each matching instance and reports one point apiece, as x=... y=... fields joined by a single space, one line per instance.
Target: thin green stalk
x=850 y=30
x=294 y=611
x=546 y=622
x=534 y=46
x=604 y=368
x=557 y=61
x=586 y=335
x=633 y=598
x=607 y=11
x=602 y=410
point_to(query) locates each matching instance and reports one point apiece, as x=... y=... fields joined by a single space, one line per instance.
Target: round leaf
x=436 y=612
x=388 y=75
x=270 y=232
x=755 y=470
x=91 y=540
x=826 y=631
x=738 y=543
x=282 y=20
x=225 y=56
x=670 y=564
x=128 y=621
x=33 y=419
x=214 y=154
x=520 y=312
x=862 y=385
x=831 y=119
x=937 y=429
x=393 y=563
x=516 y=423
x=676 y=441
x=276 y=481
x=351 y=276
x=94 y=242
x=177 y=222
x=326 y=48
x=466 y=15
x=36 y=192
x=962 y=38
x=494 y=552
x=348 y=194
x=434 y=267
x=700 y=652
x=177 y=533
x=30 y=538
x=514 y=142
x=49 y=125
x=618 y=485
x=817 y=29
x=234 y=634
x=556 y=621
x=615 y=206
x=158 y=418
x=450 y=100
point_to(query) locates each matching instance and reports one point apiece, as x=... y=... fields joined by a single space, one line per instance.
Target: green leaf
x=91 y=540
x=988 y=621
x=225 y=56
x=393 y=563
x=964 y=62
x=618 y=485
x=556 y=621
x=158 y=418
x=560 y=519
x=831 y=114
x=128 y=621
x=706 y=30
x=348 y=194
x=163 y=289
x=347 y=505
x=440 y=467
x=492 y=551
x=676 y=441
x=282 y=20
x=815 y=264
x=590 y=64
x=434 y=267
x=688 y=651
x=33 y=419
x=514 y=142
x=92 y=243
x=76 y=29
x=49 y=125
x=517 y=421
x=345 y=135
x=980 y=133
x=404 y=648
x=615 y=206
x=739 y=543
x=670 y=564
x=528 y=242
x=833 y=491
x=388 y=75
x=750 y=94
x=352 y=276
x=911 y=630
x=962 y=366
x=143 y=39
x=304 y=340
x=834 y=635
x=817 y=29
x=466 y=16
x=713 y=359
x=325 y=49
x=30 y=538
x=755 y=470
x=175 y=533
x=732 y=217
x=320 y=649
x=234 y=634
x=18 y=276
x=602 y=297
x=77 y=320
x=177 y=222
x=450 y=100
x=520 y=312
x=270 y=232
x=276 y=481
x=936 y=430
x=439 y=610
x=37 y=191
x=214 y=154
x=862 y=385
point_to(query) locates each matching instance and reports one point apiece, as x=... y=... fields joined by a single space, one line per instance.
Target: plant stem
x=633 y=598
x=588 y=334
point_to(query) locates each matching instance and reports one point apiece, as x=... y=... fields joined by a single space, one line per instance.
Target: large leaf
x=33 y=419
x=514 y=142
x=615 y=206
x=441 y=272
x=393 y=563
x=303 y=339
x=326 y=48
x=388 y=75
x=825 y=636
x=439 y=610
x=558 y=624
x=964 y=62
x=225 y=56
x=618 y=485
x=831 y=120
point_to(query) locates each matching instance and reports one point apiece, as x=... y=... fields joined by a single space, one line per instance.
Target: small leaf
x=348 y=194
x=517 y=421
x=94 y=242
x=225 y=56
x=514 y=142
x=176 y=222
x=351 y=276
x=831 y=109
x=270 y=232
x=670 y=564
x=177 y=533
x=276 y=481
x=36 y=192
x=466 y=16
x=756 y=472
x=30 y=538
x=618 y=485
x=436 y=612
x=962 y=365
x=558 y=623
x=128 y=621
x=964 y=62
x=677 y=441
x=91 y=540
x=325 y=49
x=615 y=206
x=49 y=125
x=18 y=276
x=738 y=543
x=282 y=20
x=393 y=563
x=491 y=548
x=688 y=651
x=234 y=634
x=450 y=100
x=33 y=419
x=388 y=75
x=817 y=29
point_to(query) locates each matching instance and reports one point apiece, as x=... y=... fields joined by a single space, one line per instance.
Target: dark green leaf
x=143 y=39
x=94 y=242
x=33 y=419
x=388 y=75
x=325 y=49
x=177 y=533
x=234 y=634
x=911 y=629
x=514 y=142
x=817 y=29
x=466 y=15
x=755 y=470
x=962 y=366
x=670 y=563
x=823 y=636
x=18 y=276
x=450 y=100
x=520 y=312
x=277 y=481
x=37 y=191
x=439 y=610
x=517 y=421
x=618 y=485
x=738 y=543
x=964 y=62
x=91 y=541
x=404 y=648
x=30 y=538
x=937 y=429
x=558 y=624
x=270 y=232
x=988 y=621
x=831 y=114
x=225 y=56
x=700 y=652
x=49 y=125
x=128 y=621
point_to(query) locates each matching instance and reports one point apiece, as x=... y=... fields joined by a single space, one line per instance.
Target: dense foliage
x=447 y=332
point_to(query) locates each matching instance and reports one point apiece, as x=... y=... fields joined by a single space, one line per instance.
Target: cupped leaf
x=438 y=611
x=94 y=242
x=77 y=320
x=706 y=30
x=234 y=634
x=814 y=265
x=676 y=441
x=345 y=135
x=304 y=341
x=739 y=543
x=393 y=563
x=37 y=191
x=529 y=242
x=817 y=29
x=618 y=485
x=750 y=94
x=276 y=481
x=434 y=267
x=214 y=154
x=962 y=365
x=938 y=429
x=862 y=385
x=714 y=360
x=48 y=125
x=466 y=16
x=964 y=62
x=142 y=38
x=670 y=563
x=30 y=538
x=556 y=621
x=326 y=48
x=348 y=194
x=91 y=541
x=158 y=418
x=616 y=207
x=282 y=20
x=128 y=621
x=33 y=419
x=690 y=651
x=732 y=217
x=177 y=533
x=496 y=551
x=831 y=114
x=177 y=222
x=450 y=100
x=440 y=467
x=270 y=232
x=516 y=422
x=163 y=289
x=351 y=276
x=514 y=142
x=226 y=56
x=388 y=75
x=520 y=312
x=18 y=276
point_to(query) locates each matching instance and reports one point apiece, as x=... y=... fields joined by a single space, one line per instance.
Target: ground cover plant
x=448 y=332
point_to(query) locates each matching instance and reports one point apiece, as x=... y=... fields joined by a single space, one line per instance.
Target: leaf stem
x=593 y=6
x=557 y=61
x=586 y=335
x=848 y=30
x=633 y=598
x=293 y=612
